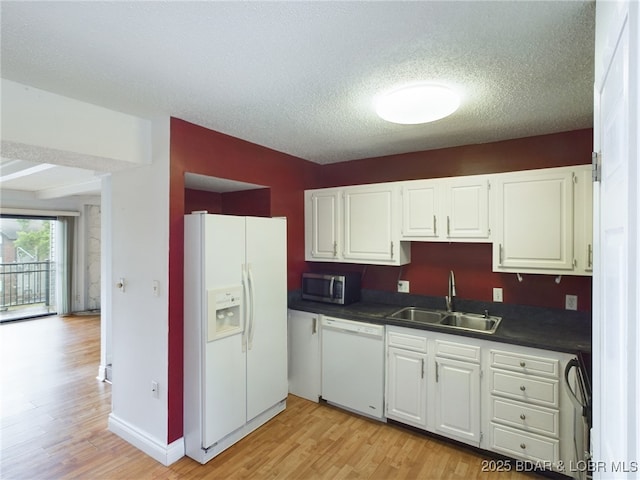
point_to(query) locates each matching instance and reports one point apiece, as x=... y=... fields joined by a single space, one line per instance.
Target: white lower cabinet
x=406 y=385
x=304 y=354
x=505 y=398
x=457 y=398
x=530 y=415
x=433 y=383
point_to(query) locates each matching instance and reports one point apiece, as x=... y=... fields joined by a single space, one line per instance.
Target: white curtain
x=64 y=264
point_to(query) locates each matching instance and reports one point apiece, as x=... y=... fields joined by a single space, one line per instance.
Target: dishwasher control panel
x=353 y=326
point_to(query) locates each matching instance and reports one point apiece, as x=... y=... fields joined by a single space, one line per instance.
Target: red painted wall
x=195 y=200
x=545 y=151
x=199 y=150
x=255 y=203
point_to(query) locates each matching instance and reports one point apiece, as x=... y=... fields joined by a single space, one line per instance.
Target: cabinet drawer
x=458 y=350
x=408 y=342
x=531 y=418
x=526 y=388
x=524 y=445
x=549 y=367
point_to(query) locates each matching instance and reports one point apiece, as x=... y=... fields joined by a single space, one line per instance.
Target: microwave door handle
x=331 y=285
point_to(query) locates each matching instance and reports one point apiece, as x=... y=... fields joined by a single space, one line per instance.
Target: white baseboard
x=163 y=453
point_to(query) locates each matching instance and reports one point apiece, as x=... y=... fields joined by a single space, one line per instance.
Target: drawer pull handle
x=522 y=364
x=522 y=416
x=523 y=388
x=523 y=446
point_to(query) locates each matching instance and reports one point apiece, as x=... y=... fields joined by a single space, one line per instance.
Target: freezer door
x=224 y=392
x=266 y=247
x=224 y=250
x=225 y=389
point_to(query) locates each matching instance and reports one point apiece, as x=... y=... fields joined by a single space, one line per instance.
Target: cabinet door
x=304 y=354
x=583 y=220
x=323 y=224
x=467 y=208
x=370 y=224
x=407 y=387
x=535 y=222
x=420 y=204
x=457 y=405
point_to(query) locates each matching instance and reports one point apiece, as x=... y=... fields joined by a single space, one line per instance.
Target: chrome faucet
x=452 y=293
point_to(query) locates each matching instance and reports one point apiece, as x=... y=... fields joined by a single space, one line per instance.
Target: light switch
x=156 y=288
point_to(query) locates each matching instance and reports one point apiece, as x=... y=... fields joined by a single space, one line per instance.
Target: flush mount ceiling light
x=420 y=103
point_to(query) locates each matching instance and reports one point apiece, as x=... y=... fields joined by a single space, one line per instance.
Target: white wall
x=37 y=124
x=134 y=152
x=140 y=246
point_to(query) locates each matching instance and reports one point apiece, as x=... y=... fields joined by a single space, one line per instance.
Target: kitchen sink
x=471 y=321
x=455 y=320
x=420 y=315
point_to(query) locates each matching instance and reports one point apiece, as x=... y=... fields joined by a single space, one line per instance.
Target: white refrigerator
x=235 y=328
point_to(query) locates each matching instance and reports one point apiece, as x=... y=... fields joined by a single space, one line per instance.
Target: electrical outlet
x=571 y=302
x=155 y=389
x=403 y=286
x=497 y=294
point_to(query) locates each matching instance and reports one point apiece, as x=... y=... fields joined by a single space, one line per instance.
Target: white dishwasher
x=353 y=365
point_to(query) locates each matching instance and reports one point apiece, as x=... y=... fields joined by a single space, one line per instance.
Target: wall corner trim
x=165 y=454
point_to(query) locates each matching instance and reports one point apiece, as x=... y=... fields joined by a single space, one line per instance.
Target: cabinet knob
x=522 y=388
x=522 y=364
x=522 y=416
x=523 y=446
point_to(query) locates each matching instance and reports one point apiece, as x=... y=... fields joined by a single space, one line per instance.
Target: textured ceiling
x=300 y=77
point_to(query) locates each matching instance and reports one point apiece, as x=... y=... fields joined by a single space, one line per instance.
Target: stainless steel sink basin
x=420 y=315
x=471 y=321
x=455 y=320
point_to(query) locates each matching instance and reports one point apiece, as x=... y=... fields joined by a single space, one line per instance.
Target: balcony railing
x=25 y=283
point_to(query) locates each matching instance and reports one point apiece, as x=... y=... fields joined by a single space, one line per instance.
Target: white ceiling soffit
x=214 y=184
x=300 y=77
x=46 y=180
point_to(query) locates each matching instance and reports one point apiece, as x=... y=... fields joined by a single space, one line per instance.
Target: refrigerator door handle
x=251 y=302
x=245 y=319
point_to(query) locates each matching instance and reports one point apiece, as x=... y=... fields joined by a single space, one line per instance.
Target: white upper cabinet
x=371 y=233
x=357 y=224
x=323 y=224
x=466 y=208
x=535 y=221
x=449 y=209
x=420 y=209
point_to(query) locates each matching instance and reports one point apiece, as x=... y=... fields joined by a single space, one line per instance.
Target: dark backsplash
x=463 y=305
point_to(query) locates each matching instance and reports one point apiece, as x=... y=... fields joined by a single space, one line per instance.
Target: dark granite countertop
x=549 y=329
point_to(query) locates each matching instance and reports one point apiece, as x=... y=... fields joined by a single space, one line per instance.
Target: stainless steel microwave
x=340 y=288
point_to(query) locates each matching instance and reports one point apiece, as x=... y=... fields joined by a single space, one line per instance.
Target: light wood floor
x=53 y=415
